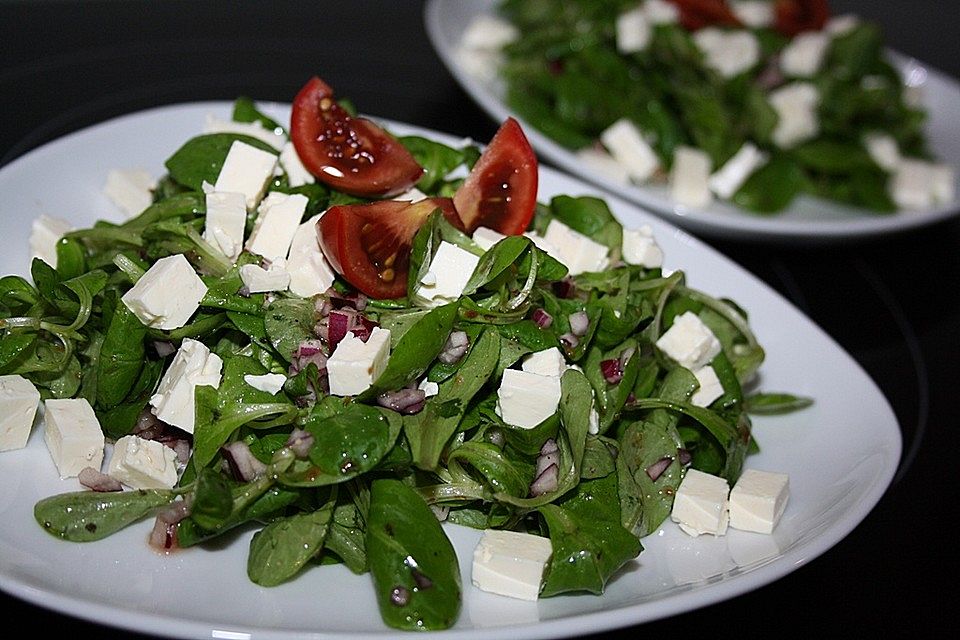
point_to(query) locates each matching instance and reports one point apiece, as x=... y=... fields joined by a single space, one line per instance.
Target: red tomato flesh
x=353 y=155
x=501 y=191
x=369 y=244
x=797 y=16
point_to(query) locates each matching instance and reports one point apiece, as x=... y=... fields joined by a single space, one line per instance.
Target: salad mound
x=752 y=102
x=537 y=371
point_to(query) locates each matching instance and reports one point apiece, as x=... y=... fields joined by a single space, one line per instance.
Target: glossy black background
x=892 y=302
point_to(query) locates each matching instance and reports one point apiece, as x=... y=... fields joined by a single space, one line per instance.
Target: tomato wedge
x=369 y=244
x=697 y=14
x=501 y=191
x=797 y=16
x=353 y=155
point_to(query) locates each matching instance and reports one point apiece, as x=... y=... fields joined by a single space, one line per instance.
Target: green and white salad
x=242 y=384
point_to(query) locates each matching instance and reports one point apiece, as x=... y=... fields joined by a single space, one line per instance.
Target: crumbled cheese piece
x=919 y=184
x=449 y=272
x=510 y=563
x=701 y=504
x=661 y=11
x=728 y=179
x=578 y=252
x=488 y=32
x=603 y=164
x=756 y=14
x=297 y=174
x=842 y=24
x=429 y=388
x=278 y=217
x=758 y=500
x=355 y=365
x=486 y=238
x=633 y=30
x=883 y=150
x=131 y=190
x=269 y=382
x=625 y=143
x=246 y=170
x=689 y=341
x=310 y=273
x=796 y=106
x=193 y=366
x=45 y=233
x=548 y=362
x=411 y=195
x=273 y=137
x=225 y=222
x=19 y=400
x=729 y=53
x=710 y=388
x=689 y=177
x=167 y=295
x=73 y=435
x=526 y=399
x=804 y=55
x=640 y=247
x=143 y=464
x=260 y=280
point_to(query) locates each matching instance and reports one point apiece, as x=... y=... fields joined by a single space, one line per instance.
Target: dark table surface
x=891 y=303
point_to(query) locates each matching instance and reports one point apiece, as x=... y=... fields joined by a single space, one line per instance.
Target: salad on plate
x=750 y=102
x=343 y=339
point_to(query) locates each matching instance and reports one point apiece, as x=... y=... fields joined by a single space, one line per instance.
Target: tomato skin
x=369 y=244
x=696 y=14
x=501 y=191
x=353 y=155
x=796 y=16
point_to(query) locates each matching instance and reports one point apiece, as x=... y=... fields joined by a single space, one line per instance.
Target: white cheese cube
x=131 y=190
x=429 y=388
x=225 y=222
x=690 y=177
x=355 y=365
x=730 y=177
x=278 y=218
x=883 y=150
x=578 y=252
x=310 y=273
x=803 y=56
x=73 y=435
x=729 y=53
x=689 y=341
x=273 y=137
x=449 y=272
x=839 y=25
x=796 y=106
x=545 y=246
x=45 y=233
x=756 y=14
x=246 y=170
x=593 y=422
x=639 y=247
x=526 y=399
x=193 y=366
x=297 y=174
x=758 y=499
x=701 y=504
x=167 y=295
x=143 y=464
x=919 y=184
x=549 y=362
x=411 y=195
x=710 y=388
x=488 y=32
x=661 y=11
x=269 y=382
x=633 y=30
x=19 y=400
x=625 y=143
x=486 y=238
x=510 y=563
x=603 y=164
x=260 y=280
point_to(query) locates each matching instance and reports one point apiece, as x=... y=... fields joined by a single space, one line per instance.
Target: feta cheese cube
x=526 y=399
x=883 y=150
x=167 y=295
x=758 y=500
x=260 y=280
x=310 y=273
x=246 y=170
x=225 y=222
x=297 y=174
x=143 y=464
x=689 y=341
x=727 y=180
x=73 y=435
x=45 y=233
x=193 y=366
x=690 y=176
x=625 y=143
x=510 y=563
x=661 y=11
x=278 y=218
x=729 y=53
x=796 y=106
x=429 y=388
x=131 y=190
x=633 y=30
x=411 y=195
x=578 y=252
x=273 y=137
x=919 y=184
x=544 y=246
x=639 y=247
x=19 y=400
x=842 y=24
x=488 y=32
x=710 y=388
x=486 y=238
x=549 y=362
x=449 y=272
x=269 y=382
x=803 y=56
x=603 y=164
x=756 y=14
x=701 y=504
x=355 y=365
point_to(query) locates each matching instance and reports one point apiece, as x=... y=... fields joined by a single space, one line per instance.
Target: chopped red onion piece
x=300 y=442
x=579 y=323
x=440 y=511
x=174 y=512
x=244 y=291
x=164 y=348
x=93 y=479
x=496 y=437
x=549 y=455
x=242 y=463
x=163 y=536
x=148 y=426
x=548 y=480
x=564 y=288
x=685 y=456
x=541 y=318
x=611 y=370
x=338 y=323
x=356 y=301
x=569 y=340
x=625 y=356
x=403 y=400
x=455 y=347
x=655 y=470
x=322 y=306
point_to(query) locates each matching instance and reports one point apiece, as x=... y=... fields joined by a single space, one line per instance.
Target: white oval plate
x=807 y=219
x=840 y=454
